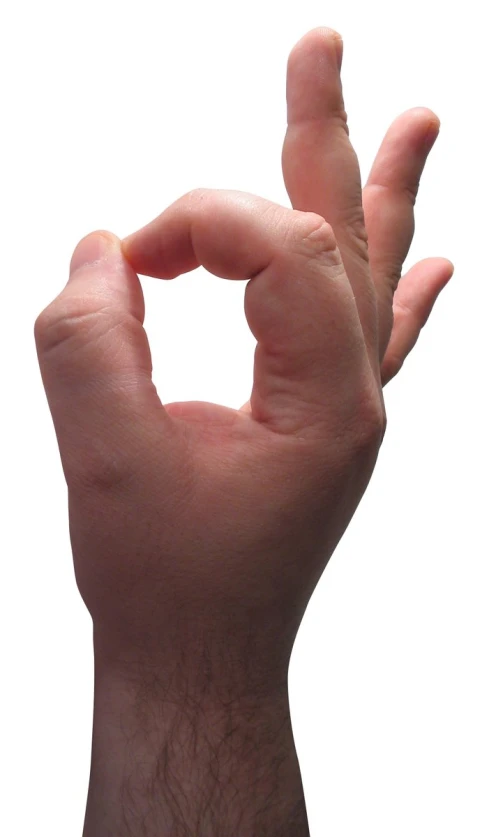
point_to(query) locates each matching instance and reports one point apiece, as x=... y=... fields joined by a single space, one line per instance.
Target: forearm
x=166 y=763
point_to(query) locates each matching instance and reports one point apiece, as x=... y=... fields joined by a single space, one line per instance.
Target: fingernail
x=90 y=249
x=338 y=42
x=431 y=135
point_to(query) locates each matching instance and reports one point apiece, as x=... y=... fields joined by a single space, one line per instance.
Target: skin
x=200 y=532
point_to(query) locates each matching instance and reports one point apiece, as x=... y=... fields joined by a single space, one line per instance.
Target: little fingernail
x=90 y=249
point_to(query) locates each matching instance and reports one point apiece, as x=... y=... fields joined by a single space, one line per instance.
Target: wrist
x=202 y=659
x=190 y=762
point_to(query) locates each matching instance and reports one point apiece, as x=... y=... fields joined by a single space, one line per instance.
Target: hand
x=197 y=529
x=321 y=175
x=199 y=532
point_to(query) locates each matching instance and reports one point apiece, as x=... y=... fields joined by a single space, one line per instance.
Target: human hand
x=195 y=527
x=321 y=174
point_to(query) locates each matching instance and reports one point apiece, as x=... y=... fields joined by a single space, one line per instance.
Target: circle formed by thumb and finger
x=312 y=375
x=311 y=357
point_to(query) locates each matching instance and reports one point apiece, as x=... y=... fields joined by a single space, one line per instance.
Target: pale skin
x=199 y=532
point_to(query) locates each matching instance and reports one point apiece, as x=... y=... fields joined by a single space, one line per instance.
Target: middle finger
x=320 y=166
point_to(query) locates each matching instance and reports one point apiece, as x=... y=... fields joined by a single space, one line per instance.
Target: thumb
x=95 y=364
x=299 y=303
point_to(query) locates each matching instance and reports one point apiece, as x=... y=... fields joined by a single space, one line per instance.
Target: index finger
x=299 y=303
x=320 y=166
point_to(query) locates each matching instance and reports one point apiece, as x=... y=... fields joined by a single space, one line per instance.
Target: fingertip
x=321 y=32
x=315 y=39
x=446 y=269
x=92 y=248
x=423 y=127
x=426 y=115
x=131 y=252
x=126 y=246
x=427 y=129
x=435 y=123
x=439 y=265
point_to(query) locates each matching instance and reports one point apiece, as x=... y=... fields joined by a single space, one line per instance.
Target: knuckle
x=71 y=320
x=358 y=233
x=100 y=473
x=371 y=421
x=392 y=277
x=391 y=366
x=404 y=310
x=313 y=235
x=411 y=191
x=340 y=119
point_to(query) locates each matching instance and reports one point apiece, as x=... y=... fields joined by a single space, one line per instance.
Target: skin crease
x=200 y=532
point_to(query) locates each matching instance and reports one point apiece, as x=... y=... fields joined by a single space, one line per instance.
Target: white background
x=111 y=111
